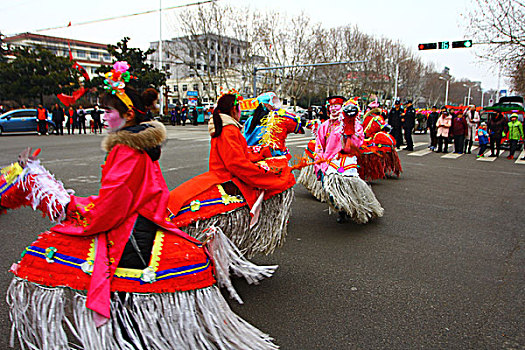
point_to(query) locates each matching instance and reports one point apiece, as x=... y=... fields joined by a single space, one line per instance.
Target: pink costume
x=329 y=143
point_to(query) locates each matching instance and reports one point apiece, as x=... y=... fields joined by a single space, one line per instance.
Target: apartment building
x=88 y=54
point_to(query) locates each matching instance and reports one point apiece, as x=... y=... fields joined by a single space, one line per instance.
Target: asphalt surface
x=443 y=269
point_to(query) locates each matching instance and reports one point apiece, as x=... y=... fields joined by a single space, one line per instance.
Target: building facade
x=203 y=64
x=88 y=54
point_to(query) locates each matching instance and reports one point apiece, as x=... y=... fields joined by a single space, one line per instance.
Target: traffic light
x=461 y=44
x=429 y=46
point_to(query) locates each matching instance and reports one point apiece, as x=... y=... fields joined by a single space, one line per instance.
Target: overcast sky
x=409 y=21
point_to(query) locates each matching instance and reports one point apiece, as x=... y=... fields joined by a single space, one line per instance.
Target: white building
x=88 y=54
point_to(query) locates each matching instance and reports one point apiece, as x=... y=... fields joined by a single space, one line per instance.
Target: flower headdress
x=238 y=96
x=116 y=80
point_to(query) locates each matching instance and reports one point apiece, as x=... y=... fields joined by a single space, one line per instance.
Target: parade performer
x=337 y=142
x=377 y=157
x=270 y=126
x=250 y=201
x=149 y=285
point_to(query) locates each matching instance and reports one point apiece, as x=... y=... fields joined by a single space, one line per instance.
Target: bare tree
x=501 y=25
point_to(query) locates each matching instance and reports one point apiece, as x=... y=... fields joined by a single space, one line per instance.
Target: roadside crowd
x=464 y=126
x=73 y=119
x=459 y=127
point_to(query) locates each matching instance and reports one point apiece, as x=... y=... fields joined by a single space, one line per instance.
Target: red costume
x=230 y=161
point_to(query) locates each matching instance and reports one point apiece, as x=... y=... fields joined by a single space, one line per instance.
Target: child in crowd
x=483 y=138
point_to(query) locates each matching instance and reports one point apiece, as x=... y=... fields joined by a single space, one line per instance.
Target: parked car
x=23 y=120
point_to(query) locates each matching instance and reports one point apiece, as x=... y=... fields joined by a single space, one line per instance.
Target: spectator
x=173 y=117
x=184 y=115
x=394 y=119
x=323 y=114
x=408 y=121
x=483 y=139
x=432 y=129
x=41 y=116
x=310 y=113
x=177 y=115
x=459 y=132
x=496 y=126
x=472 y=118
x=97 y=121
x=195 y=116
x=515 y=132
x=443 y=125
x=58 y=119
x=81 y=113
x=72 y=118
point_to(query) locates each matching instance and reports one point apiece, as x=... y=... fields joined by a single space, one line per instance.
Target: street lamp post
x=446 y=89
x=469 y=89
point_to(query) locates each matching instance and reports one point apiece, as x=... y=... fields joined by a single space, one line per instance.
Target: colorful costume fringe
x=307 y=176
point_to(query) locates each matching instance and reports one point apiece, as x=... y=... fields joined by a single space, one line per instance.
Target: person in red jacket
x=459 y=132
x=41 y=116
x=232 y=167
x=119 y=241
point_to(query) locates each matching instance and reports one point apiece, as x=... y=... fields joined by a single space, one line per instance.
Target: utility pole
x=161 y=98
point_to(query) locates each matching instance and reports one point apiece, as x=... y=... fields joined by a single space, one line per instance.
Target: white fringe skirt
x=353 y=196
x=57 y=318
x=264 y=237
x=309 y=180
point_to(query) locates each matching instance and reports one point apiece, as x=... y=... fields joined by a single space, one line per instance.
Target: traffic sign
x=443 y=45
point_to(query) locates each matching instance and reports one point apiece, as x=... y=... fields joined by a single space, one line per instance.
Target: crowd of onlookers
x=463 y=127
x=182 y=114
x=73 y=118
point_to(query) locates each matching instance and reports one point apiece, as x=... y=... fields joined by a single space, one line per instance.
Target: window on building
x=204 y=87
x=175 y=87
x=205 y=67
x=81 y=53
x=184 y=87
x=94 y=55
x=191 y=52
x=192 y=74
x=238 y=50
x=285 y=101
x=232 y=50
x=167 y=67
x=174 y=101
x=195 y=87
x=106 y=56
x=212 y=58
x=185 y=101
x=93 y=70
x=205 y=99
x=198 y=66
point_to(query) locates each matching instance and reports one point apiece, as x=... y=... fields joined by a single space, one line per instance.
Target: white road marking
x=452 y=155
x=519 y=161
x=421 y=153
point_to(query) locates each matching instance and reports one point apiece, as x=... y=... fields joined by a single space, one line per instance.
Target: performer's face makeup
x=335 y=110
x=114 y=120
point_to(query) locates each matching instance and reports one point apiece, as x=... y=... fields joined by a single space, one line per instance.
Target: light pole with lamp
x=396 y=78
x=469 y=89
x=446 y=89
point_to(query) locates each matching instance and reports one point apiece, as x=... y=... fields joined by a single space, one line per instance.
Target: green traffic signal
x=461 y=44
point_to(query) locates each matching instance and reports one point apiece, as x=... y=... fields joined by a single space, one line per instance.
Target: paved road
x=444 y=268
